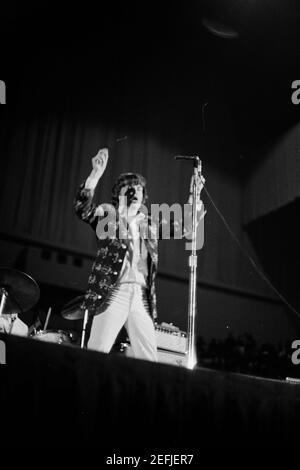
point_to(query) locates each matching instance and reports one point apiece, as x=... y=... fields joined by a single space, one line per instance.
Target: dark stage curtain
x=61 y=119
x=274 y=180
x=48 y=156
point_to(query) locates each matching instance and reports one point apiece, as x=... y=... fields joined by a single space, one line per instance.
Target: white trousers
x=127 y=307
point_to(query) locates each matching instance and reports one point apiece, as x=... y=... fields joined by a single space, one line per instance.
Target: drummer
x=12 y=325
x=18 y=293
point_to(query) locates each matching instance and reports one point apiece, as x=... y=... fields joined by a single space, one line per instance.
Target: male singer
x=121 y=286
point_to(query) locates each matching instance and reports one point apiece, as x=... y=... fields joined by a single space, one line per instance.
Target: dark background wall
x=151 y=81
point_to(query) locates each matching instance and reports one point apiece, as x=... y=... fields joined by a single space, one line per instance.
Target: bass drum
x=54 y=336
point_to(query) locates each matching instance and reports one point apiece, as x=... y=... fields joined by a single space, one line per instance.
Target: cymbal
x=72 y=310
x=23 y=292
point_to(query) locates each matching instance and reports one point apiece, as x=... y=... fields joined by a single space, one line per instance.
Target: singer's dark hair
x=129 y=179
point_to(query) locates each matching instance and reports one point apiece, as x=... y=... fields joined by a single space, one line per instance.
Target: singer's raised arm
x=84 y=206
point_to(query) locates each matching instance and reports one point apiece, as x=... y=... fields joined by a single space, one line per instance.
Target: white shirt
x=135 y=266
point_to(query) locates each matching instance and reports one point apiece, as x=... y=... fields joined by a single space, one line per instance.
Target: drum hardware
x=85 y=320
x=54 y=336
x=47 y=319
x=73 y=311
x=34 y=327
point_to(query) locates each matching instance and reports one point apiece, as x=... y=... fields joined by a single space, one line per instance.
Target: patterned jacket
x=109 y=259
x=111 y=253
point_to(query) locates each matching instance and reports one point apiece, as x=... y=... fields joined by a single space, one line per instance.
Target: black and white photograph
x=149 y=238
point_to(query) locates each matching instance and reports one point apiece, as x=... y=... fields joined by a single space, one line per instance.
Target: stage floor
x=73 y=397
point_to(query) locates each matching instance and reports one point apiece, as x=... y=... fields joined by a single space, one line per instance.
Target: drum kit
x=19 y=293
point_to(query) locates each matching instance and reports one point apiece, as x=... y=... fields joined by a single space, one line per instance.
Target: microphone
x=186 y=157
x=130 y=193
x=193 y=158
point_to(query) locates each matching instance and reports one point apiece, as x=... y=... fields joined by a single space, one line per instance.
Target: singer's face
x=134 y=195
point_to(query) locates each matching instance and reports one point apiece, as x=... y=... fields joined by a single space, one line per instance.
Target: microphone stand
x=4 y=296
x=191 y=346
x=85 y=320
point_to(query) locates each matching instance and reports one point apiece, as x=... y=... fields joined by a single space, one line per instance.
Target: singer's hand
x=99 y=162
x=200 y=181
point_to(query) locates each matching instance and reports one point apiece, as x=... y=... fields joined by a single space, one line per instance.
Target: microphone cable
x=247 y=255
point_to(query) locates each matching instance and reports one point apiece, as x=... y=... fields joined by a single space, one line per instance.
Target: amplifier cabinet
x=166 y=357
x=171 y=339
